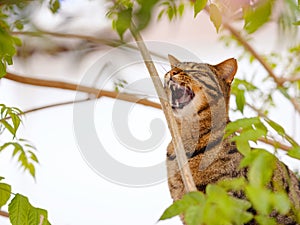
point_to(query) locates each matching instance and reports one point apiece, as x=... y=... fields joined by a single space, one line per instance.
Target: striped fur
x=199 y=94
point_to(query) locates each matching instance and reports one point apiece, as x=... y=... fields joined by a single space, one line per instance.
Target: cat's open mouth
x=181 y=95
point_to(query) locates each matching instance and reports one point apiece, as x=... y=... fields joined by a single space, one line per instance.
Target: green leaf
x=229 y=210
x=279 y=129
x=5 y=192
x=255 y=18
x=199 y=6
x=54 y=6
x=18 y=210
x=180 y=206
x=297 y=23
x=215 y=16
x=265 y=220
x=244 y=123
x=23 y=213
x=181 y=9
x=260 y=199
x=240 y=100
x=194 y=215
x=261 y=165
x=294 y=152
x=281 y=202
x=235 y=184
x=37 y=215
x=124 y=21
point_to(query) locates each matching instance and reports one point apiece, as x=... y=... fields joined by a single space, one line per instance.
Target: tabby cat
x=199 y=95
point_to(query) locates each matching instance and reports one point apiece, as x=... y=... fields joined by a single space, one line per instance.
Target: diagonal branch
x=105 y=41
x=278 y=80
x=176 y=137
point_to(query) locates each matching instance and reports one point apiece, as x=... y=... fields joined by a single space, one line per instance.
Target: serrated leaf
x=215 y=16
x=199 y=6
x=18 y=210
x=5 y=192
x=37 y=216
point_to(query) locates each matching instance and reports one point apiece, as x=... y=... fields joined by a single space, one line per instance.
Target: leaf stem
x=176 y=137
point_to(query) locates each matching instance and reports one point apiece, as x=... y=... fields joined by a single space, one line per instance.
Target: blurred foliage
x=22 y=149
x=20 y=210
x=199 y=208
x=254 y=13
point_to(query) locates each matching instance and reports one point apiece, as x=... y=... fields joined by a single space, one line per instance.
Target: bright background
x=65 y=185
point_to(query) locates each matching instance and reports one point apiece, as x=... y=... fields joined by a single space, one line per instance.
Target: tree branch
x=105 y=41
x=4 y=214
x=110 y=94
x=46 y=107
x=176 y=137
x=278 y=80
x=69 y=86
x=96 y=40
x=268 y=141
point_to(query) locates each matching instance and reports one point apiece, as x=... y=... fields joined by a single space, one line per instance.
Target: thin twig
x=275 y=144
x=278 y=80
x=176 y=138
x=105 y=41
x=46 y=107
x=96 y=40
x=4 y=214
x=268 y=141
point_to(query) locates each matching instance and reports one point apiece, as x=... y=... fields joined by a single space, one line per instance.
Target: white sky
x=72 y=192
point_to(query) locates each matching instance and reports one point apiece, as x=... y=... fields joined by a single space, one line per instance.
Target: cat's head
x=191 y=87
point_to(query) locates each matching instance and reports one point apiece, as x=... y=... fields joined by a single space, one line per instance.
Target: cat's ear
x=173 y=61
x=227 y=69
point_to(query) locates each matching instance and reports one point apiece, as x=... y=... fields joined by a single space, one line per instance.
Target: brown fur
x=202 y=124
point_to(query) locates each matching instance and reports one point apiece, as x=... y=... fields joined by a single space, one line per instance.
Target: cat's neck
x=204 y=131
